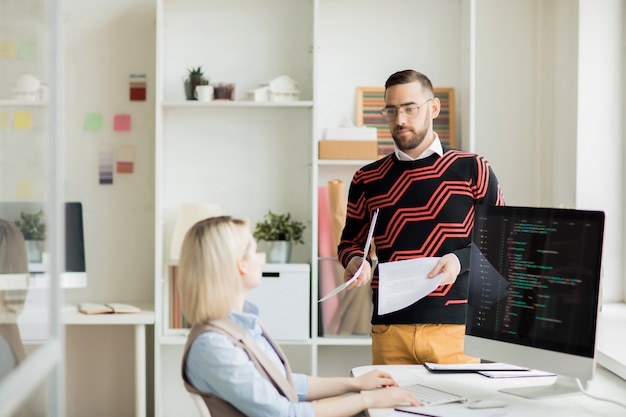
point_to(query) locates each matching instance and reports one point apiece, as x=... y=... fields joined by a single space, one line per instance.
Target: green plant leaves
x=279 y=227
x=32 y=225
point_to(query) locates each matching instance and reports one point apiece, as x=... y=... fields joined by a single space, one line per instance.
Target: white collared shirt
x=434 y=147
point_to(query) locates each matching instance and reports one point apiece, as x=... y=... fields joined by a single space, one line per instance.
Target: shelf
x=344 y=341
x=41 y=281
x=236 y=103
x=181 y=338
x=173 y=339
x=22 y=103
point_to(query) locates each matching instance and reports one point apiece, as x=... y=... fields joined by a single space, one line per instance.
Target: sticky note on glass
x=125 y=159
x=105 y=165
x=22 y=120
x=25 y=189
x=8 y=50
x=27 y=50
x=4 y=120
x=93 y=122
x=121 y=122
x=137 y=87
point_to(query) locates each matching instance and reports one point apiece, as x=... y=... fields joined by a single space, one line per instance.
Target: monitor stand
x=561 y=387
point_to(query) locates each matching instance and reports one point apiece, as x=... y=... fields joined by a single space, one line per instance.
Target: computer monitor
x=534 y=285
x=74 y=272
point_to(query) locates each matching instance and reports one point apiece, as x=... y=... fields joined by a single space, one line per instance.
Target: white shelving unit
x=248 y=157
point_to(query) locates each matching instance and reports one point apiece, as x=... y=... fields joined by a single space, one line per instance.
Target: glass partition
x=30 y=217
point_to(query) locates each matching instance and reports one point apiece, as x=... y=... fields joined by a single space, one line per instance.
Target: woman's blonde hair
x=13 y=257
x=13 y=260
x=209 y=279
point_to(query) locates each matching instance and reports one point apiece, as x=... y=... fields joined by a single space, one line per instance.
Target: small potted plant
x=195 y=77
x=33 y=229
x=280 y=231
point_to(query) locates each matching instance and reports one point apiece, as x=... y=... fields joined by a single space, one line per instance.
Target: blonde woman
x=231 y=361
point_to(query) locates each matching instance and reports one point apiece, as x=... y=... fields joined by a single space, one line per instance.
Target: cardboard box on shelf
x=351 y=133
x=348 y=149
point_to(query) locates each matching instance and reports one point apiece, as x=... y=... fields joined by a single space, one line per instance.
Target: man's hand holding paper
x=360 y=270
x=403 y=283
x=450 y=268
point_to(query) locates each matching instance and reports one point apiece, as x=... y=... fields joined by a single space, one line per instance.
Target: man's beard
x=410 y=143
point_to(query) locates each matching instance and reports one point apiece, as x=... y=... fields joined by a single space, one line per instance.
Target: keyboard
x=433 y=396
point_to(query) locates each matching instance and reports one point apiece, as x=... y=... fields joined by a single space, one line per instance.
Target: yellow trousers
x=394 y=344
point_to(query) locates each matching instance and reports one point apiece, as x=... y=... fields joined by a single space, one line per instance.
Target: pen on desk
x=414 y=412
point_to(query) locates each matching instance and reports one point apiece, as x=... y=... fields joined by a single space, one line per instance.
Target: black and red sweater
x=426 y=209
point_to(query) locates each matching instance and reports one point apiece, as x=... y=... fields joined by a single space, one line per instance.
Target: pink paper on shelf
x=325 y=249
x=338 y=207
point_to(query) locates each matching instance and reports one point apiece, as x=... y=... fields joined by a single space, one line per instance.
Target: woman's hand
x=389 y=397
x=376 y=389
x=374 y=379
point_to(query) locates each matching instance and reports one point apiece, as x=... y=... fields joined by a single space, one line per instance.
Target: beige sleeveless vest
x=216 y=405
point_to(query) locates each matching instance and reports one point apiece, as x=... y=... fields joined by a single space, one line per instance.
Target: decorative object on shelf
x=195 y=77
x=279 y=89
x=108 y=308
x=349 y=142
x=224 y=91
x=280 y=232
x=370 y=100
x=33 y=229
x=204 y=92
x=366 y=150
x=29 y=88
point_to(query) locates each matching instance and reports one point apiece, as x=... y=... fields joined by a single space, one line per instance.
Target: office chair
x=200 y=404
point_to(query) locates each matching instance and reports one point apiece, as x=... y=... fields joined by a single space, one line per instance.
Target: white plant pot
x=34 y=250
x=278 y=252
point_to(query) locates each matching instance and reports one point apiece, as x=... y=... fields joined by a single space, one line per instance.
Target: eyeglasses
x=411 y=110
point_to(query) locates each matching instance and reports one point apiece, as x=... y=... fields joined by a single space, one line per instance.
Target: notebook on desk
x=472 y=367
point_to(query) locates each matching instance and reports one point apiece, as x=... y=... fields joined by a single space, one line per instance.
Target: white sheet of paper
x=402 y=283
x=368 y=242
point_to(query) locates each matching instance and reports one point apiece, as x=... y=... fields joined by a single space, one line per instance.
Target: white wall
x=506 y=96
x=600 y=152
x=556 y=107
x=106 y=42
x=550 y=108
x=362 y=45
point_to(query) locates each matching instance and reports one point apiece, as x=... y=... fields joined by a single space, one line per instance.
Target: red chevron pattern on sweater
x=426 y=209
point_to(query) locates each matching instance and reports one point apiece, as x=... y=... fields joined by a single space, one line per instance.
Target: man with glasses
x=427 y=194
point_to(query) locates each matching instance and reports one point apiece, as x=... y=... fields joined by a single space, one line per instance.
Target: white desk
x=72 y=317
x=474 y=386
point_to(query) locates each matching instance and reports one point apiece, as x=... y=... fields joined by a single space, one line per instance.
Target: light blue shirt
x=217 y=366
